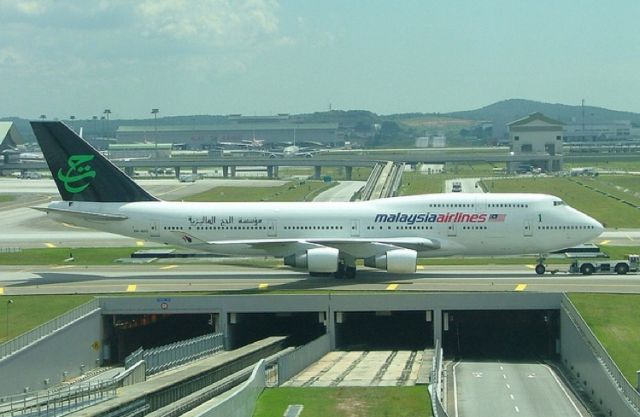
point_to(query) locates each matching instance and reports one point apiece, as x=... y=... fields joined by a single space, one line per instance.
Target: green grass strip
x=346 y=402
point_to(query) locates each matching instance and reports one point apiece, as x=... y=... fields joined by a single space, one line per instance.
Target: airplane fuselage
x=460 y=224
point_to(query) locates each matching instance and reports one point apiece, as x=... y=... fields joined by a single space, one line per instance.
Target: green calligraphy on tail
x=77 y=178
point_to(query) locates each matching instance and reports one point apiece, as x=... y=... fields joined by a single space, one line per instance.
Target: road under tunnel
x=384 y=330
x=503 y=334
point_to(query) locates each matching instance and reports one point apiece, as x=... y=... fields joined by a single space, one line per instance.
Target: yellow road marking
x=604 y=242
x=521 y=287
x=1 y=291
x=531 y=266
x=62 y=266
x=263 y=286
x=139 y=242
x=132 y=288
x=50 y=245
x=392 y=287
x=420 y=267
x=169 y=267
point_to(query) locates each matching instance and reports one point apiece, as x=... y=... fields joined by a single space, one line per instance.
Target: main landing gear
x=345 y=271
x=540 y=267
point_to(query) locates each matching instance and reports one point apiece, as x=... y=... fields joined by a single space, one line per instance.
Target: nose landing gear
x=540 y=266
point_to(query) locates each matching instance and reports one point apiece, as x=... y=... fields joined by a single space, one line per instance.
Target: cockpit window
x=559 y=203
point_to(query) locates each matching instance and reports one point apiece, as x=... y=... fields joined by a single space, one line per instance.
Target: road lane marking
x=392 y=287
x=50 y=245
x=629 y=237
x=139 y=242
x=62 y=266
x=132 y=288
x=531 y=266
x=512 y=397
x=501 y=368
x=263 y=286
x=521 y=287
x=517 y=409
x=504 y=376
x=604 y=242
x=508 y=386
x=1 y=291
x=169 y=267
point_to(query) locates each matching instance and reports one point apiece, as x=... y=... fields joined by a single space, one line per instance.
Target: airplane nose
x=598 y=228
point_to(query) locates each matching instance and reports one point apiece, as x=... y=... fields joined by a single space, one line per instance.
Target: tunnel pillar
x=177 y=171
x=194 y=170
x=317 y=172
x=437 y=326
x=348 y=173
x=233 y=171
x=223 y=327
x=225 y=171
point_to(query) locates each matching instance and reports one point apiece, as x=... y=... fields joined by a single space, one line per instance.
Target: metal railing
x=435 y=387
x=48 y=328
x=58 y=401
x=168 y=356
x=617 y=378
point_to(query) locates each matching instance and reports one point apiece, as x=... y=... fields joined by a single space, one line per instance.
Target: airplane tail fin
x=80 y=172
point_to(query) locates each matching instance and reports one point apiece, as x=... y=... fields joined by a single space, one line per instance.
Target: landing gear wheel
x=350 y=272
x=622 y=269
x=540 y=269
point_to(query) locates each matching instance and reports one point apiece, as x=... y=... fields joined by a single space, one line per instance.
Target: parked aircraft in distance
x=389 y=234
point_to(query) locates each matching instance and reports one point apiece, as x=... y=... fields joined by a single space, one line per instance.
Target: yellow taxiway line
x=392 y=287
x=132 y=288
x=169 y=267
x=263 y=286
x=50 y=245
x=521 y=287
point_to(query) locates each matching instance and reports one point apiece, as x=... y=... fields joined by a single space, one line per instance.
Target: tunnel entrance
x=300 y=328
x=504 y=334
x=126 y=333
x=384 y=330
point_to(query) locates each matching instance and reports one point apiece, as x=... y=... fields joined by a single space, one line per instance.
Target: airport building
x=235 y=128
x=540 y=137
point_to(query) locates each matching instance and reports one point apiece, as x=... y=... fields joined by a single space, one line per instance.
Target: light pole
x=107 y=112
x=95 y=126
x=72 y=118
x=155 y=129
x=9 y=302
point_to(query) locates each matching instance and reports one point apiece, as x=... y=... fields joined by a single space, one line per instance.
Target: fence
x=294 y=362
x=627 y=391
x=165 y=357
x=47 y=328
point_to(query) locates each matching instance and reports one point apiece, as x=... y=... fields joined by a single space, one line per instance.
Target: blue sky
x=68 y=57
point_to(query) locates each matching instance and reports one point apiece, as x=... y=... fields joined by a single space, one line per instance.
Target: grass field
x=6 y=198
x=610 y=212
x=291 y=191
x=346 y=402
x=29 y=311
x=615 y=321
x=57 y=256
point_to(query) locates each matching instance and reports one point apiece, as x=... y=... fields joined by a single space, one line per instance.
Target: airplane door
x=153 y=229
x=527 y=230
x=451 y=230
x=355 y=228
x=271 y=228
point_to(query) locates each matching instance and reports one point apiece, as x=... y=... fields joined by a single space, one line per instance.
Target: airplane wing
x=356 y=247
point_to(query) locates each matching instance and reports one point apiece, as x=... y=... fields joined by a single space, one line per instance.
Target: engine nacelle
x=315 y=260
x=398 y=261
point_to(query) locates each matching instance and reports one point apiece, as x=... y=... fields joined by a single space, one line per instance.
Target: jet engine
x=324 y=260
x=399 y=261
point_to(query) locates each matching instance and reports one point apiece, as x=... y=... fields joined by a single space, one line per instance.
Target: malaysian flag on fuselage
x=497 y=217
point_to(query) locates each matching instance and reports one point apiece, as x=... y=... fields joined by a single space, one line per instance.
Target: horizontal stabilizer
x=83 y=214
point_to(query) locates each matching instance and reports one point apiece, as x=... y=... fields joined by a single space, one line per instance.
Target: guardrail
x=435 y=387
x=168 y=356
x=292 y=363
x=47 y=328
x=617 y=378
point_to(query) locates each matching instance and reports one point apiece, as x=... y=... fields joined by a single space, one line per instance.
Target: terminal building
x=236 y=128
x=539 y=137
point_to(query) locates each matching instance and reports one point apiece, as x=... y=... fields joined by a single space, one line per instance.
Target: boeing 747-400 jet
x=388 y=234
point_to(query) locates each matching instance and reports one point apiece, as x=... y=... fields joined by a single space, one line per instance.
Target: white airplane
x=389 y=234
